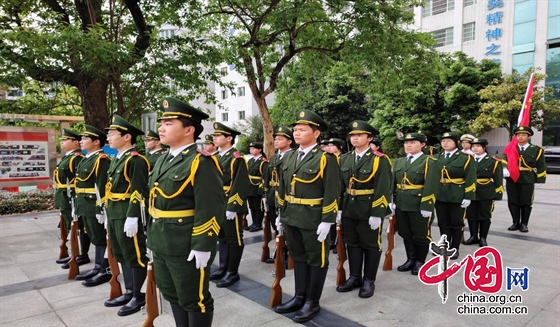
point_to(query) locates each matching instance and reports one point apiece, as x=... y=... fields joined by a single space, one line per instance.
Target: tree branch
x=63 y=18
x=143 y=38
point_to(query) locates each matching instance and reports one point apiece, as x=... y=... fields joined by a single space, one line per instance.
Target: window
x=224 y=94
x=524 y=33
x=551 y=135
x=525 y=11
x=427 y=9
x=224 y=116
x=443 y=37
x=241 y=91
x=468 y=32
x=523 y=61
x=166 y=33
x=553 y=19
x=224 y=70
x=241 y=115
x=468 y=3
x=435 y=7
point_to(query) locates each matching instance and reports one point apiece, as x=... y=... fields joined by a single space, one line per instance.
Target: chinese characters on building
x=494 y=31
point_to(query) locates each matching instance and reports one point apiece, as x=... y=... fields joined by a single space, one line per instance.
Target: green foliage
x=503 y=103
x=252 y=131
x=22 y=202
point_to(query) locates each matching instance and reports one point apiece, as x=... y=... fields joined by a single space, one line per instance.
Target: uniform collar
x=92 y=153
x=125 y=151
x=176 y=152
x=362 y=153
x=414 y=156
x=154 y=151
x=480 y=157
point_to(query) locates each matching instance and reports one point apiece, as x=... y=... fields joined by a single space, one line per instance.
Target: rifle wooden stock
x=276 y=296
x=245 y=224
x=388 y=263
x=290 y=262
x=64 y=238
x=151 y=298
x=115 y=272
x=265 y=254
x=74 y=269
x=340 y=272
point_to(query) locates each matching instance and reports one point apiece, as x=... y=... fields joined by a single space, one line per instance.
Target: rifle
x=276 y=296
x=245 y=224
x=340 y=272
x=151 y=288
x=290 y=262
x=74 y=269
x=64 y=238
x=388 y=263
x=113 y=264
x=267 y=236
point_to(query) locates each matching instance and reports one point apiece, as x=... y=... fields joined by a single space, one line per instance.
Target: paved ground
x=34 y=290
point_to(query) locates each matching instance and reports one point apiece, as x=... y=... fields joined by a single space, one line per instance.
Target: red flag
x=523 y=120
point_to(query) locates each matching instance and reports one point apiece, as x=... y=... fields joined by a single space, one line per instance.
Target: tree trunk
x=268 y=129
x=94 y=102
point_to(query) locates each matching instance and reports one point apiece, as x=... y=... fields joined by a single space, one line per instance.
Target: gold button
x=118 y=171
x=176 y=176
x=154 y=220
x=180 y=220
x=155 y=195
x=110 y=178
x=156 y=184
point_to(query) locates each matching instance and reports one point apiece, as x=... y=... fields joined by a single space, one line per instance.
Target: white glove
x=202 y=258
x=506 y=172
x=339 y=217
x=426 y=213
x=374 y=222
x=323 y=230
x=131 y=226
x=537 y=185
x=393 y=207
x=465 y=203
x=279 y=225
x=230 y=215
x=101 y=218
x=265 y=205
x=73 y=213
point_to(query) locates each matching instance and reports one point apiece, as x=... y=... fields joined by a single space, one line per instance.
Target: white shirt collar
x=154 y=151
x=257 y=158
x=524 y=147
x=69 y=152
x=92 y=153
x=451 y=153
x=480 y=157
x=222 y=153
x=362 y=153
x=281 y=154
x=121 y=153
x=306 y=151
x=414 y=156
x=175 y=152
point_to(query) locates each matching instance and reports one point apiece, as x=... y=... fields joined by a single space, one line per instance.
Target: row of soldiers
x=181 y=202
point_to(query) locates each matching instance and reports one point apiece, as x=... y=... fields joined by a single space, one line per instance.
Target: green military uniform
x=458 y=183
x=257 y=168
x=415 y=186
x=366 y=180
x=186 y=207
x=532 y=169
x=92 y=171
x=308 y=196
x=489 y=188
x=153 y=156
x=236 y=186
x=125 y=192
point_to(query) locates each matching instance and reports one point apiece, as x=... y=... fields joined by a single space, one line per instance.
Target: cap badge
x=165 y=104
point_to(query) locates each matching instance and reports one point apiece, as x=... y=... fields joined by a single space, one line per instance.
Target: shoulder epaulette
x=163 y=152
x=265 y=160
x=134 y=153
x=79 y=154
x=206 y=154
x=433 y=158
x=236 y=154
x=103 y=155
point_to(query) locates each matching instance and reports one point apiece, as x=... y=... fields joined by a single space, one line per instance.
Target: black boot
x=416 y=269
x=421 y=254
x=355 y=261
x=525 y=215
x=128 y=285
x=333 y=237
x=138 y=298
x=311 y=307
x=484 y=228
x=249 y=227
x=63 y=260
x=410 y=256
x=101 y=278
x=301 y=272
x=372 y=258
x=99 y=254
x=473 y=227
x=180 y=315
x=232 y=274
x=85 y=242
x=82 y=259
x=224 y=255
x=197 y=319
x=456 y=242
x=515 y=211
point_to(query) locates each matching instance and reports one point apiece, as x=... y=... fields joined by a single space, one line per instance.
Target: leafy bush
x=22 y=202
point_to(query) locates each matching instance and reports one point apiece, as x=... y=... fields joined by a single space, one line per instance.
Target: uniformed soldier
x=308 y=196
x=153 y=147
x=457 y=189
x=466 y=143
x=66 y=171
x=236 y=186
x=126 y=192
x=532 y=169
x=209 y=145
x=187 y=205
x=283 y=138
x=375 y=145
x=366 y=179
x=428 y=149
x=91 y=172
x=334 y=145
x=489 y=188
x=257 y=168
x=415 y=187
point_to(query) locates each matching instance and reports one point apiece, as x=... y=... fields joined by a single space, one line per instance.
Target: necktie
x=447 y=155
x=300 y=156
x=408 y=161
x=358 y=158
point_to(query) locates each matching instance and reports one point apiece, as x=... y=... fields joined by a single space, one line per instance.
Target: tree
x=107 y=49
x=254 y=126
x=264 y=36
x=503 y=103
